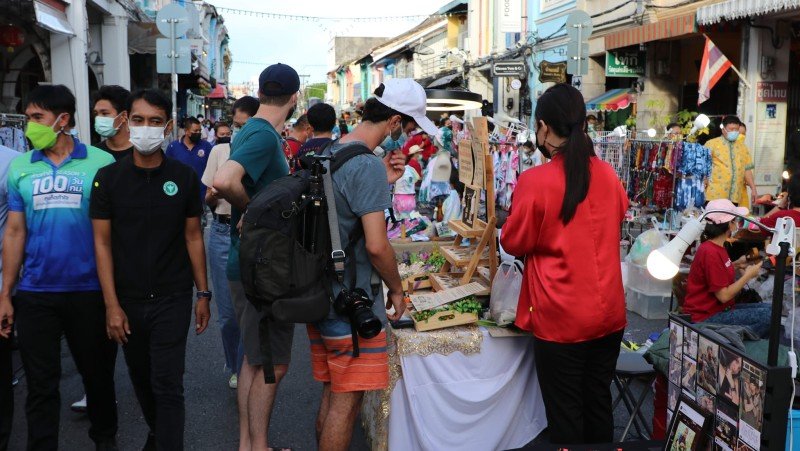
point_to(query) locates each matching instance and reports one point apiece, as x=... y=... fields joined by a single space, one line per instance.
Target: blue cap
x=283 y=81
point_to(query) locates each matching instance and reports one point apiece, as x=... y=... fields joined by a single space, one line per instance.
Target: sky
x=304 y=45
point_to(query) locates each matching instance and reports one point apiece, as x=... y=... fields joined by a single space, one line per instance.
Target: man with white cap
x=361 y=192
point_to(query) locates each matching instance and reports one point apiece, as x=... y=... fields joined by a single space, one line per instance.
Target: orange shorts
x=332 y=358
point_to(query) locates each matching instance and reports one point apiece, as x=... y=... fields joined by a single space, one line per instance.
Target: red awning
x=656 y=31
x=218 y=93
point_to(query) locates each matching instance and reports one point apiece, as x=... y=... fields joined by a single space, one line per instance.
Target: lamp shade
x=452 y=100
x=700 y=122
x=664 y=263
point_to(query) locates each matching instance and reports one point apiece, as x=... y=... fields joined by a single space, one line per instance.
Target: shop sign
x=625 y=63
x=510 y=16
x=508 y=68
x=772 y=91
x=552 y=72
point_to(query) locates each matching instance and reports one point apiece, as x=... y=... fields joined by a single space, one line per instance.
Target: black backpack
x=286 y=257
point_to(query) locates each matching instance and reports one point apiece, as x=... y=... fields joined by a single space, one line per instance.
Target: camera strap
x=338 y=256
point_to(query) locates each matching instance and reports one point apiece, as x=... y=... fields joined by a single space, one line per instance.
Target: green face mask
x=42 y=137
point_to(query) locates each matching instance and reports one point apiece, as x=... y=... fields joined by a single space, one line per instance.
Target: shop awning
x=446 y=80
x=142 y=38
x=656 y=31
x=408 y=42
x=737 y=9
x=52 y=19
x=218 y=93
x=616 y=99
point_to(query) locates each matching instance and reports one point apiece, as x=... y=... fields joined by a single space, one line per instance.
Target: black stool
x=630 y=367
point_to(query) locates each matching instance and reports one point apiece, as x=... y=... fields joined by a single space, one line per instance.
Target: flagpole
x=733 y=67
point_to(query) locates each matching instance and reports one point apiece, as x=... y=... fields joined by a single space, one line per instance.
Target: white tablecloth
x=486 y=401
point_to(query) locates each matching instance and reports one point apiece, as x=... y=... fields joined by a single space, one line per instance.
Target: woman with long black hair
x=565 y=221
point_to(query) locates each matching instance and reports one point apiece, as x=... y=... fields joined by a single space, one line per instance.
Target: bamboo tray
x=447 y=318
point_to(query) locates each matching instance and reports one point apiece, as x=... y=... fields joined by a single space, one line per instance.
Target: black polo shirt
x=148 y=210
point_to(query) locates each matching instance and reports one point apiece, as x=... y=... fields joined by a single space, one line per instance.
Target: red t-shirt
x=572 y=283
x=772 y=220
x=712 y=270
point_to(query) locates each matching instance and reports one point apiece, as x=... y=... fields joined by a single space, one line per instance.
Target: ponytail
x=563 y=110
x=577 y=151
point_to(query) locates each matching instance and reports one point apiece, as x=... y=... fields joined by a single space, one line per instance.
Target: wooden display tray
x=485 y=275
x=448 y=318
x=443 y=281
x=466 y=231
x=420 y=281
x=462 y=256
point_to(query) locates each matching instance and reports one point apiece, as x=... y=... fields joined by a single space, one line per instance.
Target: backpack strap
x=343 y=156
x=338 y=255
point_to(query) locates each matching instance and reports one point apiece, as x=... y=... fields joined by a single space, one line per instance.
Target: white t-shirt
x=405 y=185
x=219 y=155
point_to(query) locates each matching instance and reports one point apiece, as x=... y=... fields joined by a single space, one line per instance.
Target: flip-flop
x=279 y=448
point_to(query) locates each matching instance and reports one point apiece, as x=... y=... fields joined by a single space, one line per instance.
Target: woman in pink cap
x=712 y=287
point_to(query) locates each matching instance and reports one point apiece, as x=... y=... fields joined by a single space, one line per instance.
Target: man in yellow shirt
x=731 y=165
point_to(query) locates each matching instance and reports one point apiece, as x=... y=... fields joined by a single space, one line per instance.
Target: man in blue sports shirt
x=49 y=234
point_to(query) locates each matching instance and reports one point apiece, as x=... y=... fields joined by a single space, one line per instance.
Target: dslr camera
x=357 y=306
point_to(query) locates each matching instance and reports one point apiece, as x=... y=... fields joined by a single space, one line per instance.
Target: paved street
x=211 y=418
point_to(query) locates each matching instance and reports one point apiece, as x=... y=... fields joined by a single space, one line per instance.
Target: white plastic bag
x=645 y=243
x=505 y=293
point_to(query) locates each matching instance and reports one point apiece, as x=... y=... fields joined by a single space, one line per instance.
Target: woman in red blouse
x=565 y=221
x=712 y=286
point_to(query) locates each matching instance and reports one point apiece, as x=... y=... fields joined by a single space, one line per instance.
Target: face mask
x=224 y=140
x=147 y=140
x=542 y=147
x=42 y=137
x=735 y=227
x=104 y=126
x=732 y=136
x=194 y=138
x=590 y=127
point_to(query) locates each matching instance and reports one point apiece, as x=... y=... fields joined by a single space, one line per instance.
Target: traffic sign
x=577 y=54
x=579 y=25
x=183 y=61
x=577 y=82
x=508 y=68
x=193 y=20
x=173 y=12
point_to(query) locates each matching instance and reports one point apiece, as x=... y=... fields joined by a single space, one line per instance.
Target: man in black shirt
x=146 y=217
x=111 y=120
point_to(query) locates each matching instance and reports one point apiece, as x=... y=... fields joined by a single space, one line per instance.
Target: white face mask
x=147 y=140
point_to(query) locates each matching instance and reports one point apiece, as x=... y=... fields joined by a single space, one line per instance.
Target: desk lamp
x=663 y=263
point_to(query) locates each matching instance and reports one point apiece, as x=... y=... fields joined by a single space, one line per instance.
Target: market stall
x=453 y=381
x=454 y=386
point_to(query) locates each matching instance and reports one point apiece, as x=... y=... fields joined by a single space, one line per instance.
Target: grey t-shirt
x=360 y=187
x=6 y=155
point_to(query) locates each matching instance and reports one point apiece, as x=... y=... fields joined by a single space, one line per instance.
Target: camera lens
x=367 y=324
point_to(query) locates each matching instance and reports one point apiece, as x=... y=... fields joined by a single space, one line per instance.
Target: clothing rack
x=12 y=131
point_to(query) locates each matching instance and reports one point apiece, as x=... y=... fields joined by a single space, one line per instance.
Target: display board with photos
x=745 y=402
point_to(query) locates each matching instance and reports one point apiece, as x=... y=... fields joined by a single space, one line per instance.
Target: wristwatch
x=204 y=294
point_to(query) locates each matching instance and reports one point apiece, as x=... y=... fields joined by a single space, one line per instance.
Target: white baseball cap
x=408 y=97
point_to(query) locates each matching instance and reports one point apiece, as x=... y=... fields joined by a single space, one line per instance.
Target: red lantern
x=11 y=36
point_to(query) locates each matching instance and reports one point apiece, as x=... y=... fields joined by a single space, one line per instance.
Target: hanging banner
x=552 y=72
x=770 y=131
x=625 y=63
x=510 y=16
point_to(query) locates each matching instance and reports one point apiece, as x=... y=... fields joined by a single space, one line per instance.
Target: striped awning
x=613 y=100
x=656 y=31
x=737 y=9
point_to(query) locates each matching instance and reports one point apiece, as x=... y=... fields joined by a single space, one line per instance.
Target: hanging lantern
x=11 y=37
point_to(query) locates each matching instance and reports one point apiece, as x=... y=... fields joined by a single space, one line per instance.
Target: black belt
x=223 y=219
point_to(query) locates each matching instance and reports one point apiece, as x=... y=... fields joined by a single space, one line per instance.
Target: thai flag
x=712 y=69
